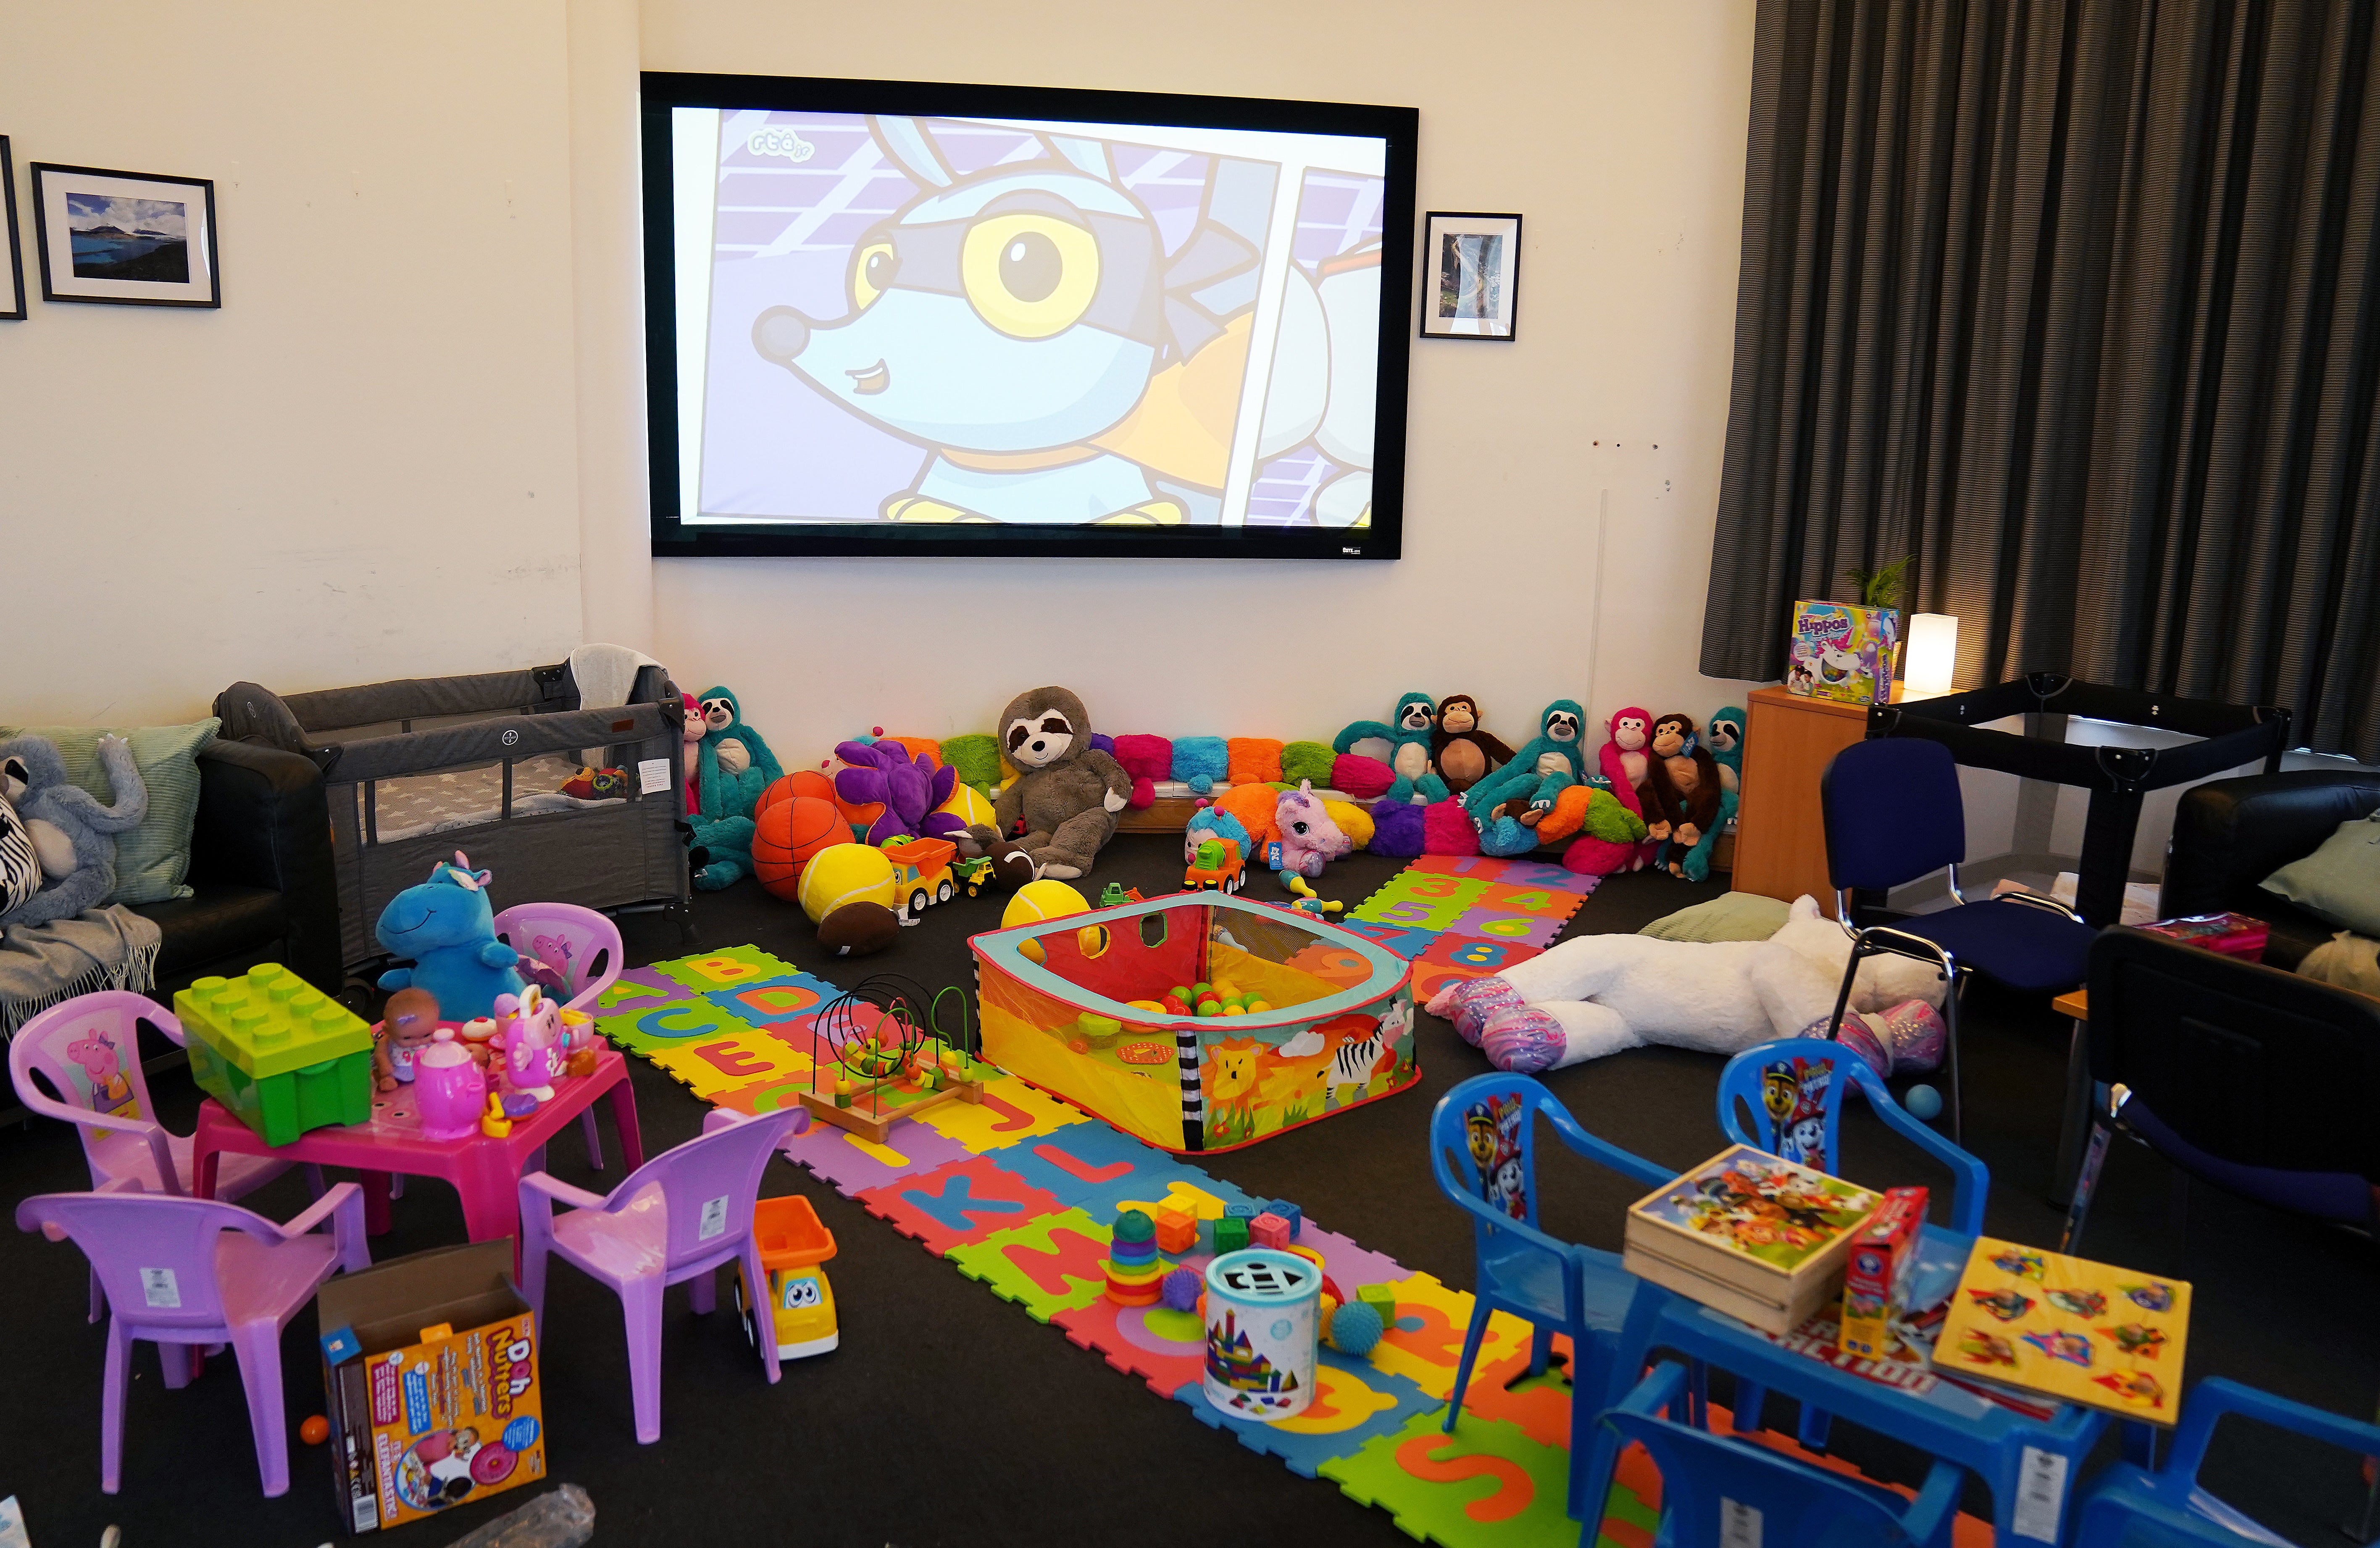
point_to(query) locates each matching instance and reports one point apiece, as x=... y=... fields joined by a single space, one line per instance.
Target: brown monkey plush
x=1462 y=748
x=1681 y=790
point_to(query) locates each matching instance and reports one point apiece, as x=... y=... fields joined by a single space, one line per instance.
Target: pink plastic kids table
x=486 y=1172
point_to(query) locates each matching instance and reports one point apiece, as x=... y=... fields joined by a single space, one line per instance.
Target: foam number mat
x=1425 y=1344
x=1403 y=939
x=1045 y=1265
x=1167 y=1349
x=1352 y=1402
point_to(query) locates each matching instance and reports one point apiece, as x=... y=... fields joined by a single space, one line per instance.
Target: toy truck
x=1215 y=863
x=921 y=874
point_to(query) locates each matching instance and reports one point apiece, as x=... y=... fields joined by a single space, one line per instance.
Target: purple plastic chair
x=195 y=1272
x=679 y=1216
x=88 y=1051
x=582 y=949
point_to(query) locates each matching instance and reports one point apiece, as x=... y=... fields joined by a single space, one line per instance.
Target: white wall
x=1616 y=128
x=365 y=465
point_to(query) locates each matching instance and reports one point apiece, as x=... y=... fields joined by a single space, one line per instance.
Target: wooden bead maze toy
x=892 y=1056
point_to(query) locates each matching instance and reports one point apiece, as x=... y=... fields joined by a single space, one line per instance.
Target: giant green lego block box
x=277 y=1052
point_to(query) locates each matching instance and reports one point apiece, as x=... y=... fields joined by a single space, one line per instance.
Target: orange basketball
x=787 y=834
x=806 y=781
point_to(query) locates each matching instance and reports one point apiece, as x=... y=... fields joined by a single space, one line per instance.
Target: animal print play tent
x=1072 y=1006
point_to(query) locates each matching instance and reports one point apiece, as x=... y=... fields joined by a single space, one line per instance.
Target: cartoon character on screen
x=1028 y=326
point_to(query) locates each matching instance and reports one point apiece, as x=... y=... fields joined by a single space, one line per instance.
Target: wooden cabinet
x=1781 y=840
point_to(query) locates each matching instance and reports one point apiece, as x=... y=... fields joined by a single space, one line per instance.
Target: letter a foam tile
x=1045 y=1265
x=1486 y=1482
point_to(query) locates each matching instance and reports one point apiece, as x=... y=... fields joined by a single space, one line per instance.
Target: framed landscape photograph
x=124 y=238
x=1471 y=276
x=12 y=295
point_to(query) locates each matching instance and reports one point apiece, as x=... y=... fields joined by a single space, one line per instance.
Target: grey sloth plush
x=70 y=831
x=1060 y=810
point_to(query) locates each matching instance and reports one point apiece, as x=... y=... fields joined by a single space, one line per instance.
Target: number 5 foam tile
x=1486 y=1483
x=855 y=1165
x=1403 y=939
x=1010 y=1111
x=1094 y=1166
x=726 y=967
x=1426 y=1342
x=1046 y=1265
x=966 y=1201
x=1352 y=1402
x=1167 y=1349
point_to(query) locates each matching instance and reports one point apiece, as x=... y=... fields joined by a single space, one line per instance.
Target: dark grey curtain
x=2079 y=303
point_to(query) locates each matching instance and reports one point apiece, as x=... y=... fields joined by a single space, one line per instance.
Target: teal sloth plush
x=733 y=768
x=1539 y=771
x=1409 y=749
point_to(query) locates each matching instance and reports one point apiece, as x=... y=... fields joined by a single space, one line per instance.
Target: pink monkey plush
x=1623 y=759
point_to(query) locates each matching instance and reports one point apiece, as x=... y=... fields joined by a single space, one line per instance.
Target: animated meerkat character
x=1462 y=747
x=1060 y=810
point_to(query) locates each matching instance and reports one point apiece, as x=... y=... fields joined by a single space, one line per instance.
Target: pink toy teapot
x=448 y=1090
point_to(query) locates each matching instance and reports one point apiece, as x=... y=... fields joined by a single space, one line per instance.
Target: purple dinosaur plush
x=910 y=792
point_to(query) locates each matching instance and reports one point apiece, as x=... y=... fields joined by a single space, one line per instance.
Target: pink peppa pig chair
x=680 y=1215
x=186 y=1271
x=86 y=1051
x=581 y=949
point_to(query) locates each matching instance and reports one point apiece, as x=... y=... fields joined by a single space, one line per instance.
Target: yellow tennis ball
x=1037 y=900
x=968 y=804
x=845 y=874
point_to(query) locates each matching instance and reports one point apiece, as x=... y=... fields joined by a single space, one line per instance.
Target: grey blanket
x=40 y=965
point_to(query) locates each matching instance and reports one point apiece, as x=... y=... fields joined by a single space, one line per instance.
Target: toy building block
x=1242 y=1211
x=1269 y=1230
x=1290 y=1213
x=1177 y=1233
x=276 y=1052
x=1381 y=1298
x=1231 y=1234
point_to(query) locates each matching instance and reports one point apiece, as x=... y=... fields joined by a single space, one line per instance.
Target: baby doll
x=407 y=1025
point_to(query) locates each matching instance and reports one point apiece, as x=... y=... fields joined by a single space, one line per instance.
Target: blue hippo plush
x=445 y=926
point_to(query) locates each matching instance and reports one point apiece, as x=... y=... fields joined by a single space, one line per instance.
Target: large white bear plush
x=1597 y=994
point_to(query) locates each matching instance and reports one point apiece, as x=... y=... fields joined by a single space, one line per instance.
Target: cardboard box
x=1841 y=652
x=1750 y=1234
x=2234 y=935
x=429 y=1369
x=1875 y=1276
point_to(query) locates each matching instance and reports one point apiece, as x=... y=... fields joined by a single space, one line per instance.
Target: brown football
x=1011 y=867
x=858 y=929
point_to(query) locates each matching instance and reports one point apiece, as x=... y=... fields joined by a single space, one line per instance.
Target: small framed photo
x=1471 y=276
x=12 y=294
x=124 y=238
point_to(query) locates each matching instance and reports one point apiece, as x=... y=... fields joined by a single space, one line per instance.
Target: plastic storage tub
x=276 y=1052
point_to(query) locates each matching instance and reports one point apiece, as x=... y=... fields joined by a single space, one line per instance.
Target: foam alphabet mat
x=1020 y=1194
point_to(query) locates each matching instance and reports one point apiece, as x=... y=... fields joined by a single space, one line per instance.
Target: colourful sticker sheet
x=2076 y=1330
x=1020 y=1193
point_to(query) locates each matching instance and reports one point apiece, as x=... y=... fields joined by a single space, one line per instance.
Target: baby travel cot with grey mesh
x=419 y=769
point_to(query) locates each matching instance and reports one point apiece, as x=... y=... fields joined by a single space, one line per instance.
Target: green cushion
x=151 y=860
x=2339 y=881
x=1731 y=916
x=1308 y=760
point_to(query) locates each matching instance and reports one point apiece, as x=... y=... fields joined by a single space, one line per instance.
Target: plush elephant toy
x=72 y=835
x=1061 y=809
x=1409 y=749
x=736 y=766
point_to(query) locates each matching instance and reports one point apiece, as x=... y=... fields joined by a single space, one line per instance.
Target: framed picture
x=124 y=238
x=12 y=298
x=1471 y=276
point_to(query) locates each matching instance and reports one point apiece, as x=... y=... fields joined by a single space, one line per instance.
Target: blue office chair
x=2130 y=1506
x=1482 y=1148
x=1794 y=1089
x=1893 y=814
x=1718 y=1493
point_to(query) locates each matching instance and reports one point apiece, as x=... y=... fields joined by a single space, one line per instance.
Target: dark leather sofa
x=2229 y=835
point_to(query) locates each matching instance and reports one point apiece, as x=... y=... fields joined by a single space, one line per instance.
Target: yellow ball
x=1352 y=820
x=845 y=874
x=968 y=804
x=1037 y=900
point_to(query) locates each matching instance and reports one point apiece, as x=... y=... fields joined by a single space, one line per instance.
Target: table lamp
x=1931 y=654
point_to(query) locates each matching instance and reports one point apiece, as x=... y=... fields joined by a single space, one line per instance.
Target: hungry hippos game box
x=1841 y=652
